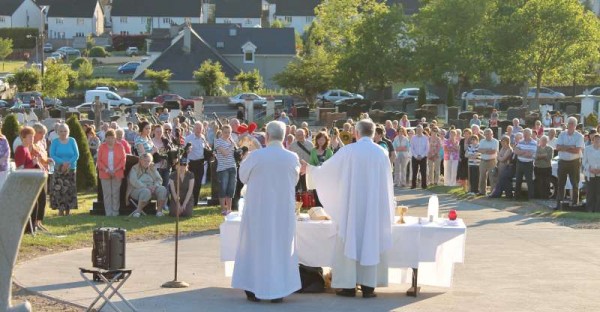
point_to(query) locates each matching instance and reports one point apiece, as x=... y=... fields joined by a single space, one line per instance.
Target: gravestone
x=18 y=195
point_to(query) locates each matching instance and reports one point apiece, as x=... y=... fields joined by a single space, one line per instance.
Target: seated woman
x=146 y=184
x=181 y=184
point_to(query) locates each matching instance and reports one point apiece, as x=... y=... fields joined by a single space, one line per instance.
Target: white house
x=135 y=17
x=297 y=14
x=20 y=13
x=247 y=13
x=74 y=18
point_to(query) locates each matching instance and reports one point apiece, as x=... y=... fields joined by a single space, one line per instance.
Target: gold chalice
x=401 y=211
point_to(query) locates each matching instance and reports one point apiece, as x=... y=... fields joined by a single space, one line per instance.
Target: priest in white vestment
x=357 y=189
x=266 y=263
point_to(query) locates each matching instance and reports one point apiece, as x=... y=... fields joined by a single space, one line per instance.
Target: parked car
x=59 y=55
x=26 y=97
x=410 y=95
x=69 y=51
x=336 y=95
x=480 y=95
x=594 y=92
x=132 y=51
x=181 y=103
x=83 y=108
x=545 y=93
x=239 y=100
x=113 y=99
x=128 y=68
x=109 y=88
x=48 y=47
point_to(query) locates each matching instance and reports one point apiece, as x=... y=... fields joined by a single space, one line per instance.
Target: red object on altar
x=452 y=215
x=307 y=199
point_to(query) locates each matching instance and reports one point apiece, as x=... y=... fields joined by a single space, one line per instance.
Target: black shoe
x=346 y=292
x=278 y=300
x=368 y=292
x=251 y=296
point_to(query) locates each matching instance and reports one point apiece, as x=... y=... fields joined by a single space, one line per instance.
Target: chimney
x=187 y=40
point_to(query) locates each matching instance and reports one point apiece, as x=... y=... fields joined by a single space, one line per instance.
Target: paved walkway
x=513 y=263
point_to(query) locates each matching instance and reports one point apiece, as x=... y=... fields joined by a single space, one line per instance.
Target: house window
x=123 y=19
x=187 y=20
x=79 y=21
x=249 y=57
x=288 y=19
x=124 y=32
x=227 y=21
x=309 y=19
x=60 y=20
x=167 y=20
x=143 y=20
x=248 y=21
x=2 y=19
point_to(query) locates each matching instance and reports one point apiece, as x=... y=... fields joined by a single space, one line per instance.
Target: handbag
x=208 y=153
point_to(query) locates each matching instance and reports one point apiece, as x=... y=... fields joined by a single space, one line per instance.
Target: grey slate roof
x=158 y=8
x=70 y=8
x=8 y=7
x=238 y=8
x=183 y=65
x=296 y=7
x=272 y=41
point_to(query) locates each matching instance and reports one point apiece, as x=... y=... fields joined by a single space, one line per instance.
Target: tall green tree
x=211 y=78
x=86 y=170
x=338 y=20
x=55 y=82
x=449 y=37
x=381 y=51
x=27 y=79
x=308 y=75
x=11 y=129
x=557 y=39
x=159 y=80
x=6 y=48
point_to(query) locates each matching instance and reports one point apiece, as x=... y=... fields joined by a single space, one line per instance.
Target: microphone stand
x=175 y=283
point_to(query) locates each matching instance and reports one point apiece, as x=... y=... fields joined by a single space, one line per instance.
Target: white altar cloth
x=433 y=248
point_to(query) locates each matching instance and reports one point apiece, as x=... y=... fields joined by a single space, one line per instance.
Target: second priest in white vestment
x=355 y=188
x=266 y=263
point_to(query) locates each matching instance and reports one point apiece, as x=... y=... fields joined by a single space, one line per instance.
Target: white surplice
x=266 y=262
x=355 y=188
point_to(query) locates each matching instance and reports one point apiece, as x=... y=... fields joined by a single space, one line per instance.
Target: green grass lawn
x=11 y=66
x=75 y=231
x=109 y=71
x=576 y=215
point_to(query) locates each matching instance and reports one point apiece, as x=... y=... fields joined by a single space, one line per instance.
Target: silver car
x=336 y=95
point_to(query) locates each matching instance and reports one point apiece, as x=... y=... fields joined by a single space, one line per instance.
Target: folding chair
x=118 y=276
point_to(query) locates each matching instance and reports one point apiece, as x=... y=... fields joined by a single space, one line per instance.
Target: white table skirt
x=433 y=248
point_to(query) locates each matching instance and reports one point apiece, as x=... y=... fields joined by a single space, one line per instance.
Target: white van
x=113 y=99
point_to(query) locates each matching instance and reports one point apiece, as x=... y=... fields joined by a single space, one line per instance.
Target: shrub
x=86 y=170
x=591 y=120
x=85 y=71
x=98 y=52
x=27 y=79
x=78 y=61
x=250 y=81
x=10 y=129
x=211 y=78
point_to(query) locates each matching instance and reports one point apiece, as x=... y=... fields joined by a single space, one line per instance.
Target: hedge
x=86 y=169
x=122 y=42
x=78 y=61
x=19 y=37
x=93 y=83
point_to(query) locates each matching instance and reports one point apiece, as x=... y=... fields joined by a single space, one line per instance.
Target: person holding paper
x=266 y=263
x=362 y=207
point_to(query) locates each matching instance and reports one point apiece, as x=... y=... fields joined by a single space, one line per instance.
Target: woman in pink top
x=451 y=158
x=404 y=122
x=433 y=159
